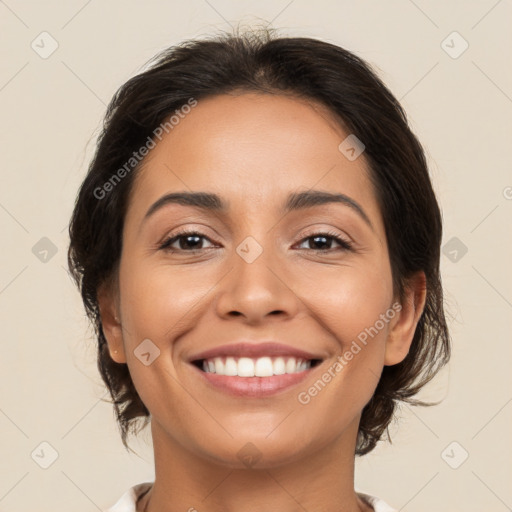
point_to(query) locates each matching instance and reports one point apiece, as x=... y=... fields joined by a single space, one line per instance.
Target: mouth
x=247 y=367
x=254 y=370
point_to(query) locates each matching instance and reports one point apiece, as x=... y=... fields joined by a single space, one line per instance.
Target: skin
x=253 y=150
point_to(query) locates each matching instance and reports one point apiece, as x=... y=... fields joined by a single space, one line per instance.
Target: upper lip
x=248 y=349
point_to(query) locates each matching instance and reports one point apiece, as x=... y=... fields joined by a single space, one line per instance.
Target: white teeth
x=302 y=366
x=245 y=367
x=219 y=366
x=259 y=367
x=291 y=365
x=279 y=366
x=230 y=368
x=263 y=367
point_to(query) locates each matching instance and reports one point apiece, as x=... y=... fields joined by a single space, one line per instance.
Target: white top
x=127 y=502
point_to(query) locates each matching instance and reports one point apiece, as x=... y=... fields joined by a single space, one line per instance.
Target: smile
x=254 y=377
x=247 y=367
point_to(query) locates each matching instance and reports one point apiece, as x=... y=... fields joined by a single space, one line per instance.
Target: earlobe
x=111 y=324
x=402 y=332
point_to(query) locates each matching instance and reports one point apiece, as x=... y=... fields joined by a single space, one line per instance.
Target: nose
x=257 y=290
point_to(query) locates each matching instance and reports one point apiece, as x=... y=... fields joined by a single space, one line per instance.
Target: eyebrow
x=295 y=201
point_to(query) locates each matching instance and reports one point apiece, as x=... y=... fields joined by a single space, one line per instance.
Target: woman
x=257 y=243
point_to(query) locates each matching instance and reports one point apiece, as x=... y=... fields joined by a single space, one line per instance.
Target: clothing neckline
x=133 y=500
x=140 y=502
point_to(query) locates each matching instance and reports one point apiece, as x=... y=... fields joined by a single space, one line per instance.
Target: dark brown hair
x=307 y=68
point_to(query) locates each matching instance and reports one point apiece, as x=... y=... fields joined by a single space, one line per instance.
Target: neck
x=322 y=481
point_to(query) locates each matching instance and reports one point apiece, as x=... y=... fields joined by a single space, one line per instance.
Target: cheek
x=349 y=308
x=349 y=300
x=158 y=303
x=158 y=300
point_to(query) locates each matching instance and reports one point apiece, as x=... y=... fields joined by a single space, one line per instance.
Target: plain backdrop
x=448 y=62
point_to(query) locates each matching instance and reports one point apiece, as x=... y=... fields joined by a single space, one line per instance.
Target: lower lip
x=254 y=386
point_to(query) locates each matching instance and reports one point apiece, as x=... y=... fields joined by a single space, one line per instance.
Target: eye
x=188 y=241
x=326 y=239
x=192 y=241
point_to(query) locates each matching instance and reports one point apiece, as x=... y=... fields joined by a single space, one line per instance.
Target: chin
x=256 y=451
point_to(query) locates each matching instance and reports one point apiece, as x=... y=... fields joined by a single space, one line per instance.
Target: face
x=263 y=280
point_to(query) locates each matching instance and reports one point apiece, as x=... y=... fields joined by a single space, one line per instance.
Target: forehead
x=253 y=149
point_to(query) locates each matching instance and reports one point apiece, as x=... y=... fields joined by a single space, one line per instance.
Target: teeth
x=291 y=366
x=219 y=365
x=260 y=367
x=263 y=367
x=245 y=367
x=302 y=366
x=279 y=366
x=230 y=368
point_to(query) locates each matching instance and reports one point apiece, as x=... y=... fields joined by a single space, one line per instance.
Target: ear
x=402 y=331
x=110 y=322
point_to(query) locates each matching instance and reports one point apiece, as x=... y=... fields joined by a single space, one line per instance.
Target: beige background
x=51 y=108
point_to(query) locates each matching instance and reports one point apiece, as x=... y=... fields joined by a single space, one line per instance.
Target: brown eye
x=187 y=241
x=322 y=242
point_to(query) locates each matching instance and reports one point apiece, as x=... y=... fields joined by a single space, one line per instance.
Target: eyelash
x=165 y=246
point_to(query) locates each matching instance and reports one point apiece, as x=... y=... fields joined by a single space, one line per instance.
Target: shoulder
x=128 y=501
